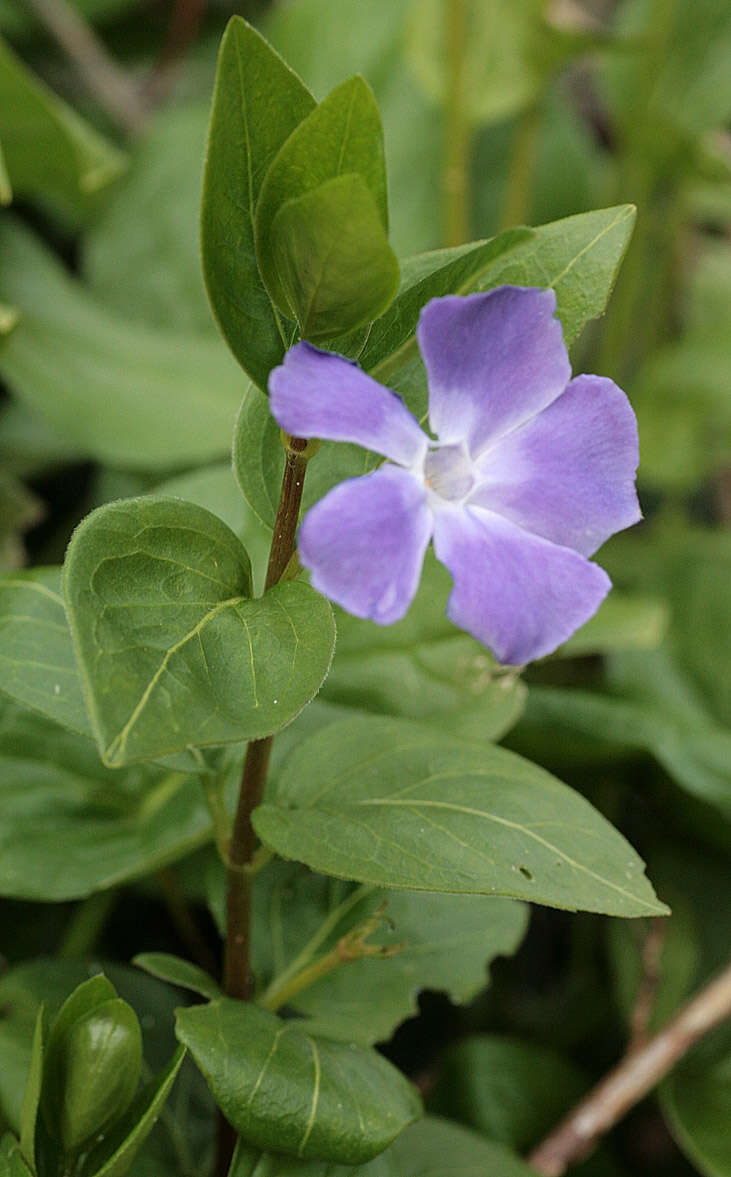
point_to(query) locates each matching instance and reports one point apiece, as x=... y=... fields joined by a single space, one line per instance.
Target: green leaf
x=251 y=1162
x=37 y=663
x=69 y=826
x=32 y=1092
x=424 y=668
x=158 y=594
x=9 y=317
x=114 y=1156
x=696 y=1101
x=578 y=257
x=257 y=104
x=133 y=396
x=97 y=1068
x=445 y=942
x=439 y=1148
x=343 y=135
x=430 y=275
x=50 y=152
x=332 y=258
x=11 y=1160
x=280 y=1088
x=389 y=802
x=509 y=1090
x=625 y=621
x=154 y=211
x=178 y=972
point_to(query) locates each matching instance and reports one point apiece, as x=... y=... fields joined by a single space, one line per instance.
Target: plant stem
x=106 y=81
x=86 y=924
x=631 y=1079
x=457 y=129
x=236 y=975
x=516 y=202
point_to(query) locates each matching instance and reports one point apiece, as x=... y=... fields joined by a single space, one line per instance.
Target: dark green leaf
x=439 y=1148
x=32 y=1092
x=49 y=150
x=332 y=258
x=11 y=1160
x=114 y=1156
x=69 y=826
x=696 y=1100
x=257 y=104
x=178 y=972
x=343 y=135
x=389 y=802
x=158 y=593
x=509 y=1090
x=134 y=396
x=281 y=1088
x=446 y=943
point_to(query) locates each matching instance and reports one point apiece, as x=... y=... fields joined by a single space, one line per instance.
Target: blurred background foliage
x=115 y=381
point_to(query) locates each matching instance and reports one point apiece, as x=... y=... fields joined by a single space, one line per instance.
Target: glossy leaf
x=332 y=258
x=49 y=150
x=178 y=972
x=258 y=103
x=116 y=1154
x=282 y=1089
x=386 y=801
x=131 y=395
x=69 y=826
x=105 y=1046
x=439 y=1148
x=11 y=1158
x=696 y=1100
x=158 y=594
x=443 y=942
x=424 y=668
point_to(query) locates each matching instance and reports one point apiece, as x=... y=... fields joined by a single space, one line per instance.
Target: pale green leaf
x=11 y=1159
x=128 y=394
x=69 y=826
x=251 y=1162
x=258 y=102
x=439 y=1148
x=32 y=1092
x=624 y=621
x=49 y=151
x=158 y=594
x=389 y=802
x=282 y=1089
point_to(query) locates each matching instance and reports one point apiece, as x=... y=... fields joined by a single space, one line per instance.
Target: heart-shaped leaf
x=159 y=599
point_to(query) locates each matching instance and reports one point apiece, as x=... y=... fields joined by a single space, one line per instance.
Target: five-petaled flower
x=530 y=473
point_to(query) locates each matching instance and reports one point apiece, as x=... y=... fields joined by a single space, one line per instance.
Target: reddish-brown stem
x=631 y=1079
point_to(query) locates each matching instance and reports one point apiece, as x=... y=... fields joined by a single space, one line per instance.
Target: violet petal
x=318 y=394
x=569 y=473
x=493 y=361
x=364 y=543
x=516 y=593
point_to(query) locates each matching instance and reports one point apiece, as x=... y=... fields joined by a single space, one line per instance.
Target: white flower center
x=448 y=472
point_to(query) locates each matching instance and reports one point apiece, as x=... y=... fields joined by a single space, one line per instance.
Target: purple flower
x=531 y=473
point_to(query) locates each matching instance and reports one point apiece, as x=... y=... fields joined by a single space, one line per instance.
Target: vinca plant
x=329 y=774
